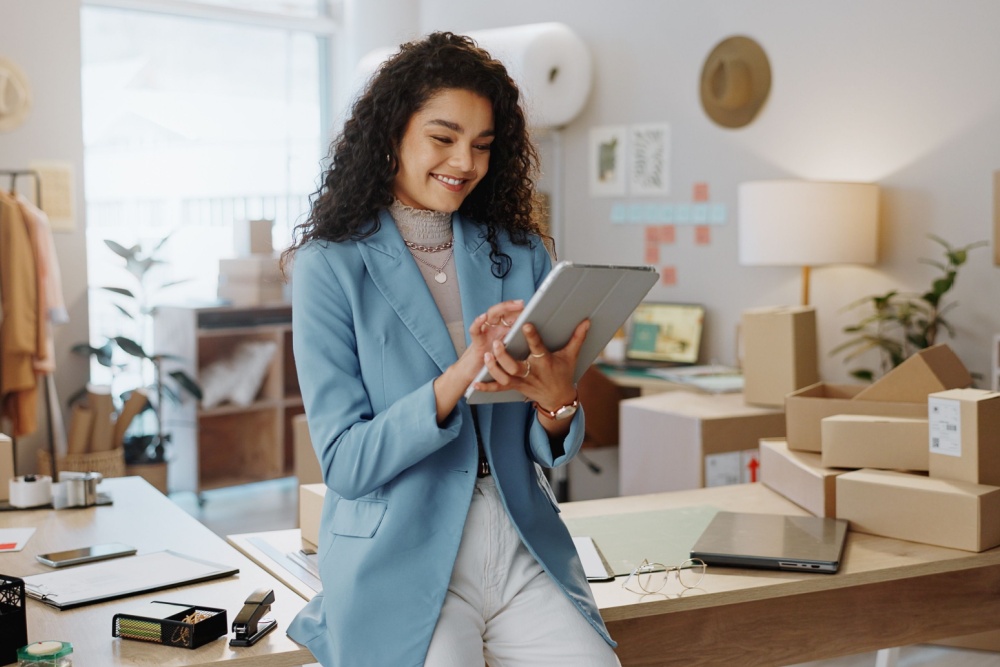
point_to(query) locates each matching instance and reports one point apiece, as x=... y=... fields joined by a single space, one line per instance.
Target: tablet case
x=570 y=294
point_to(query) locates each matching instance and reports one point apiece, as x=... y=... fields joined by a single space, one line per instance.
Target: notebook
x=663 y=335
x=773 y=541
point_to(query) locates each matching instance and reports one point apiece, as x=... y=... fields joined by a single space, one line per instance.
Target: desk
x=143 y=517
x=645 y=384
x=887 y=593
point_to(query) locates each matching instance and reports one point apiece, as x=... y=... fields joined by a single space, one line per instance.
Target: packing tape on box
x=30 y=490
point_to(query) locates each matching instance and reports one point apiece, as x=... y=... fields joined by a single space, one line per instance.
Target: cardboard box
x=682 y=440
x=252 y=237
x=310 y=513
x=6 y=465
x=249 y=293
x=930 y=370
x=868 y=441
x=258 y=268
x=907 y=506
x=964 y=426
x=779 y=353
x=799 y=476
x=306 y=464
x=806 y=408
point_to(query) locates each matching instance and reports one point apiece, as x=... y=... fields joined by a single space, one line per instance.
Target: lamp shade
x=807 y=223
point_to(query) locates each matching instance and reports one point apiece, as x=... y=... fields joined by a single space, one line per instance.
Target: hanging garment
x=19 y=327
x=51 y=304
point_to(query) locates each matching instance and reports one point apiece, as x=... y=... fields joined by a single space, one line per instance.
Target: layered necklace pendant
x=440 y=277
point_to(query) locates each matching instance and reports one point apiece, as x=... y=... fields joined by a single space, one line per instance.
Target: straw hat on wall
x=735 y=81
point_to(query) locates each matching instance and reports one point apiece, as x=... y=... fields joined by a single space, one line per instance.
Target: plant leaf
x=131 y=347
x=187 y=383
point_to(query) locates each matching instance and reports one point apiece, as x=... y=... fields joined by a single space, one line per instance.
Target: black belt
x=483 y=469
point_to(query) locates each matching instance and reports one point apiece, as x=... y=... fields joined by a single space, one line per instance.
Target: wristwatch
x=562 y=412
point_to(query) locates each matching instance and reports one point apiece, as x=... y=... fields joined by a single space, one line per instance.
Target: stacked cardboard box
x=253 y=280
x=681 y=440
x=779 y=353
x=877 y=443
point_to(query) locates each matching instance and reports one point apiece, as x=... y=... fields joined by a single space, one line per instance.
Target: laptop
x=773 y=542
x=663 y=335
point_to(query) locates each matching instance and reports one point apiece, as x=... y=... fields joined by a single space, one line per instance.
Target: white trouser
x=502 y=608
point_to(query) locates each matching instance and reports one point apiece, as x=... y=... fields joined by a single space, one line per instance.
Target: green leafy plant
x=898 y=324
x=121 y=354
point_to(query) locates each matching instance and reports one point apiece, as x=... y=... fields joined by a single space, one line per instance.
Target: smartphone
x=86 y=554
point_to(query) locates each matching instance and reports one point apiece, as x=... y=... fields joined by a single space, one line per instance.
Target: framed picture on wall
x=649 y=160
x=607 y=160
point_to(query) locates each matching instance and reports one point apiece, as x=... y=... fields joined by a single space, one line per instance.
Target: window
x=192 y=124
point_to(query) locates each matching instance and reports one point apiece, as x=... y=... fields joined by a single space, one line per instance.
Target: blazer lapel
x=480 y=289
x=398 y=278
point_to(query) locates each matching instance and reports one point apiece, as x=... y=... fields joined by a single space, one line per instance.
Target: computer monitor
x=665 y=333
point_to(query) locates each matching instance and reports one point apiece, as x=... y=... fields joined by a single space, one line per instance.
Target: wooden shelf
x=230 y=444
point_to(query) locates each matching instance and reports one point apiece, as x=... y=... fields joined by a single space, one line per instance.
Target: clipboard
x=71 y=587
x=571 y=293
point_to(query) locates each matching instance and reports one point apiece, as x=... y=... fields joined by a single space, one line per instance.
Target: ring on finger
x=527 y=368
x=539 y=355
x=504 y=322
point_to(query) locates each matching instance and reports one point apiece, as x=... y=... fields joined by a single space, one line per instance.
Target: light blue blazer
x=369 y=341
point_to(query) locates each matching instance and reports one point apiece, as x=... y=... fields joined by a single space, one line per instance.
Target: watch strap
x=554 y=414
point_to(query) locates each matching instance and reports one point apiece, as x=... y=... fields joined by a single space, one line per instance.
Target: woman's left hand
x=545 y=376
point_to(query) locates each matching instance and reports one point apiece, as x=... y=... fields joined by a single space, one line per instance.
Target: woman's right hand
x=492 y=325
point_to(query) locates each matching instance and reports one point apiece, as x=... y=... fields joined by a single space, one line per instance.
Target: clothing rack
x=49 y=389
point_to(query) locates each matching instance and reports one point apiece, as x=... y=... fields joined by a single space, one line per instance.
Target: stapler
x=250 y=624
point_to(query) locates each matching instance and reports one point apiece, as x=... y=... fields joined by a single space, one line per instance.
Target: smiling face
x=445 y=151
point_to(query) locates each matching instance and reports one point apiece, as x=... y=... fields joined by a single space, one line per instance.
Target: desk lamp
x=807 y=223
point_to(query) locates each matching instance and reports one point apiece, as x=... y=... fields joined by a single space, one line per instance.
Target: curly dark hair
x=364 y=157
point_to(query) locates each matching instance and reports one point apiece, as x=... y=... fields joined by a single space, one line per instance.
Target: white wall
x=43 y=38
x=889 y=91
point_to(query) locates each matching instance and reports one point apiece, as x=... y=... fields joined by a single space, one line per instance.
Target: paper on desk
x=14 y=539
x=120 y=577
x=594 y=565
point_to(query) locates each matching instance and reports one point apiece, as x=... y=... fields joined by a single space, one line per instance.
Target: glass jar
x=45 y=654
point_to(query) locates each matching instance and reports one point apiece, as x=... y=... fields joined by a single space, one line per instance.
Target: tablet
x=570 y=294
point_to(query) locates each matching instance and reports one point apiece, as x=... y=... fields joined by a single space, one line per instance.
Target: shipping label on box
x=945 y=426
x=732 y=467
x=964 y=435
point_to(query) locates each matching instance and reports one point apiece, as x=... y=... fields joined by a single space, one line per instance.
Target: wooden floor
x=274 y=506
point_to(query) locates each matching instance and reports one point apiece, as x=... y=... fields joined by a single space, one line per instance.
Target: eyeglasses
x=652 y=577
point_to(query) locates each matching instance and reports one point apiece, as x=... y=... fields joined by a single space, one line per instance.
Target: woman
x=441 y=543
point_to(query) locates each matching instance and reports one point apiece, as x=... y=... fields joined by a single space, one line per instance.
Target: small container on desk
x=45 y=654
x=171 y=624
x=13 y=623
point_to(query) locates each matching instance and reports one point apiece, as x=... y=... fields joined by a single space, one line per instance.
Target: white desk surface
x=146 y=519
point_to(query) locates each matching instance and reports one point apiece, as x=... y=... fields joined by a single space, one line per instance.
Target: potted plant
x=129 y=361
x=898 y=324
